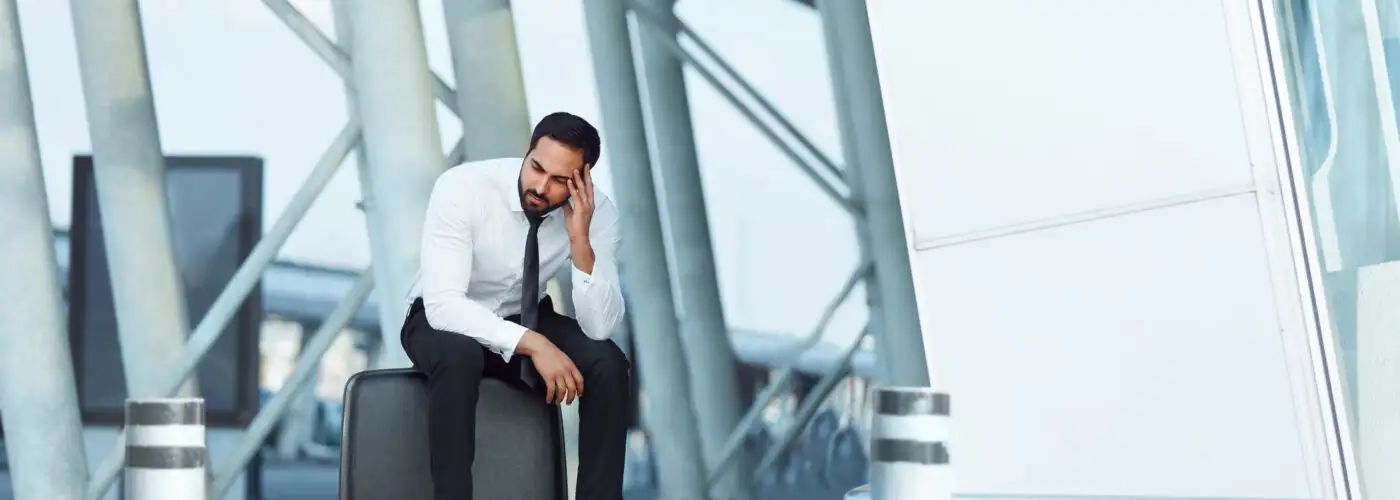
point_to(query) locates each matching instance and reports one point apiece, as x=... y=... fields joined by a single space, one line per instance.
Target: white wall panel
x=1136 y=355
x=1053 y=108
x=1097 y=288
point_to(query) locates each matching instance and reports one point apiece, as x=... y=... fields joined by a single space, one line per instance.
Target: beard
x=527 y=194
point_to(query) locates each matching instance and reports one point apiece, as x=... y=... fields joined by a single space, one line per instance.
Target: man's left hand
x=578 y=212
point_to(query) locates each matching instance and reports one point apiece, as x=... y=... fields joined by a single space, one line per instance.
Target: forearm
x=458 y=314
x=583 y=256
x=597 y=293
x=446 y=263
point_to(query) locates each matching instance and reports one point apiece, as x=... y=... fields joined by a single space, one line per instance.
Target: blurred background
x=1149 y=248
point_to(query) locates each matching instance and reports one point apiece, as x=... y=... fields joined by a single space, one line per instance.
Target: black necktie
x=530 y=294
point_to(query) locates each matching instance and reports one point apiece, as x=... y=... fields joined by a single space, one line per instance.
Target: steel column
x=238 y=288
x=490 y=87
x=713 y=370
x=491 y=90
x=129 y=168
x=38 y=396
x=870 y=166
x=661 y=358
x=394 y=99
x=339 y=61
x=344 y=37
x=665 y=26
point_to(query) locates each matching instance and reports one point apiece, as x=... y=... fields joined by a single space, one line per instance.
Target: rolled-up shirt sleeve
x=447 y=270
x=598 y=296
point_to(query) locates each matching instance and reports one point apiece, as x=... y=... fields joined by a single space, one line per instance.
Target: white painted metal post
x=871 y=175
x=908 y=445
x=38 y=398
x=388 y=308
x=714 y=374
x=491 y=91
x=660 y=357
x=165 y=449
x=129 y=169
x=490 y=87
x=394 y=99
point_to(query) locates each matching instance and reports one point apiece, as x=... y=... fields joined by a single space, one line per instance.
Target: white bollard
x=165 y=449
x=908 y=445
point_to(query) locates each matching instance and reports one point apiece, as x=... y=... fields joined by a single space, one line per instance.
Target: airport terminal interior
x=1114 y=250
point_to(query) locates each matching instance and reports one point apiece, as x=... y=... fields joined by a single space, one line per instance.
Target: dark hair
x=572 y=131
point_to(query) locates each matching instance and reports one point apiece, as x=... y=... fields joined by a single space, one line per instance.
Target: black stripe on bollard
x=165 y=457
x=165 y=413
x=908 y=451
x=901 y=403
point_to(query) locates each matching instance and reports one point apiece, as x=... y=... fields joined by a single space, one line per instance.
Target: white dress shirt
x=471 y=266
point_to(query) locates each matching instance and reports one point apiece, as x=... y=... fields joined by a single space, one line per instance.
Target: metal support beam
x=865 y=139
x=747 y=88
x=295 y=429
x=129 y=168
x=302 y=374
x=490 y=87
x=784 y=376
x=661 y=358
x=491 y=91
x=338 y=60
x=714 y=373
x=38 y=395
x=393 y=96
x=664 y=28
x=809 y=408
x=345 y=38
x=239 y=286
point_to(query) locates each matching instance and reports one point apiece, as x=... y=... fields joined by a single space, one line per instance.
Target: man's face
x=544 y=178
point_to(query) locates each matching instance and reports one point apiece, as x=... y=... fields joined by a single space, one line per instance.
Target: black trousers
x=455 y=365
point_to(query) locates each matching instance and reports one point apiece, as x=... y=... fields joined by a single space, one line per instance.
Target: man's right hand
x=563 y=382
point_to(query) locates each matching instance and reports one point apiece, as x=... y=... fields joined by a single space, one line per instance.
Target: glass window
x=1343 y=69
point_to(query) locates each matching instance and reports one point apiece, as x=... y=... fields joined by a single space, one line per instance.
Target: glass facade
x=1343 y=70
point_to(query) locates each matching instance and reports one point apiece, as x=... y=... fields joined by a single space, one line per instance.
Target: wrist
x=529 y=343
x=583 y=257
x=581 y=250
x=576 y=241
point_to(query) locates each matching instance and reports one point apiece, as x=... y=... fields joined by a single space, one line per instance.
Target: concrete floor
x=290 y=480
x=284 y=481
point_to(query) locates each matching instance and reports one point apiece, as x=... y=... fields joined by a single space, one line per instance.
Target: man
x=477 y=311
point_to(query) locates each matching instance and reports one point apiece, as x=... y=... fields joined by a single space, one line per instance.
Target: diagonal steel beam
x=809 y=408
x=827 y=186
x=336 y=58
x=744 y=85
x=302 y=374
x=240 y=285
x=778 y=384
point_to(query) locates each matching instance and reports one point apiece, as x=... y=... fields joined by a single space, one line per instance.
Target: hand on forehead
x=556 y=158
